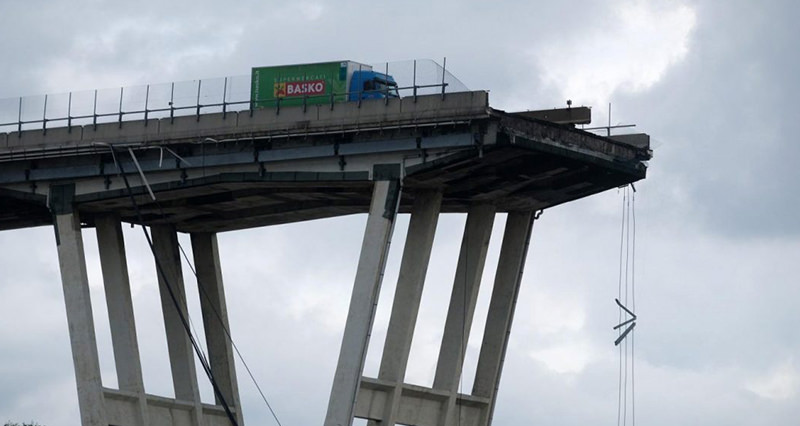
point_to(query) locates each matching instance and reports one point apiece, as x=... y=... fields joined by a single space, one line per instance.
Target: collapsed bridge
x=209 y=173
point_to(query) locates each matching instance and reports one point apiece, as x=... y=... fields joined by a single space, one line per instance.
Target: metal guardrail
x=168 y=100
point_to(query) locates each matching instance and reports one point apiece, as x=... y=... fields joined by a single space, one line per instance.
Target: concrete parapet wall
x=373 y=113
x=127 y=132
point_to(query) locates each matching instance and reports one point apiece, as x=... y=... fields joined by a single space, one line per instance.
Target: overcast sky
x=717 y=229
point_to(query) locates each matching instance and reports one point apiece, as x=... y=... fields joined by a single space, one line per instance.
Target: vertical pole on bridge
x=371 y=263
x=72 y=263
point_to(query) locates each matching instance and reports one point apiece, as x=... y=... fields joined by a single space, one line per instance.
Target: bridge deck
x=220 y=172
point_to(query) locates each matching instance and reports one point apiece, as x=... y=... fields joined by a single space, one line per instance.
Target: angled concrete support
x=513 y=253
x=405 y=308
x=171 y=288
x=413 y=267
x=120 y=310
x=386 y=400
x=458 y=324
x=72 y=262
x=363 y=301
x=471 y=260
x=215 y=318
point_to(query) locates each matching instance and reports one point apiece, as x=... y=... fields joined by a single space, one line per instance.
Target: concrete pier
x=388 y=400
x=120 y=310
x=513 y=252
x=363 y=302
x=467 y=282
x=215 y=318
x=408 y=293
x=171 y=288
x=72 y=261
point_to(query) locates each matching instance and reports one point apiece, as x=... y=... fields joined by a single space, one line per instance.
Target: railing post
x=121 y=93
x=69 y=113
x=172 y=103
x=444 y=71
x=94 y=110
x=146 y=102
x=386 y=95
x=360 y=86
x=224 y=98
x=19 y=118
x=44 y=116
x=199 y=83
x=415 y=80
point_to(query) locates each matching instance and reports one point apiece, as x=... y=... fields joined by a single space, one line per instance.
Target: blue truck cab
x=368 y=84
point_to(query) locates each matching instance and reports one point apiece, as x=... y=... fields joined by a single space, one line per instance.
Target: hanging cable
x=203 y=357
x=217 y=315
x=228 y=334
x=204 y=294
x=165 y=278
x=464 y=338
x=627 y=317
x=633 y=305
x=619 y=295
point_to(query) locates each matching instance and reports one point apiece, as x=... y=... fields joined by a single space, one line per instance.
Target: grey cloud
x=725 y=118
x=717 y=235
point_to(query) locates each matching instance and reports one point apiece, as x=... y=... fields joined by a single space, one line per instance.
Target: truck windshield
x=389 y=87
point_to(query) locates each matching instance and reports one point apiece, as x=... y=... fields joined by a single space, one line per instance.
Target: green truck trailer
x=318 y=83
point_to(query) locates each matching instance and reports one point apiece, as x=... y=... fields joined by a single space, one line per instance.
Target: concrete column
x=215 y=318
x=362 y=304
x=120 y=309
x=471 y=260
x=72 y=263
x=405 y=308
x=181 y=356
x=513 y=253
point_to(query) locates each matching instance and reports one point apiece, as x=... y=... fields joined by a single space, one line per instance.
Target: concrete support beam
x=463 y=299
x=215 y=318
x=464 y=296
x=405 y=309
x=120 y=310
x=419 y=405
x=413 y=268
x=72 y=262
x=170 y=284
x=363 y=301
x=513 y=253
x=122 y=405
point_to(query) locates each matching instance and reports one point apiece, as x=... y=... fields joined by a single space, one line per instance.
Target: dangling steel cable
x=170 y=290
x=627 y=257
x=200 y=354
x=230 y=338
x=633 y=305
x=619 y=295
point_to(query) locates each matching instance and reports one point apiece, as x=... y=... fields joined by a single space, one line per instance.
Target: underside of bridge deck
x=235 y=182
